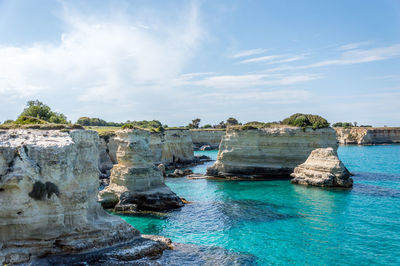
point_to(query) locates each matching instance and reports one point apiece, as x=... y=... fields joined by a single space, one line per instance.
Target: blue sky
x=178 y=60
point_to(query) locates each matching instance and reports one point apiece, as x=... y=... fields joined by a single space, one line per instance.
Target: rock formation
x=135 y=182
x=368 y=135
x=48 y=196
x=171 y=147
x=324 y=169
x=201 y=137
x=268 y=152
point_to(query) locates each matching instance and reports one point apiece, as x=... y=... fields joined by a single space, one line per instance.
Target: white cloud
x=251 y=80
x=273 y=97
x=353 y=45
x=262 y=58
x=248 y=53
x=350 y=57
x=102 y=61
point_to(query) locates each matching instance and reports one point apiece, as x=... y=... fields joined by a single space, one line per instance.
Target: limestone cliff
x=268 y=152
x=368 y=135
x=135 y=182
x=323 y=169
x=207 y=137
x=48 y=196
x=172 y=146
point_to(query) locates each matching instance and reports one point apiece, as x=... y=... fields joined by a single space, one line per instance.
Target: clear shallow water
x=274 y=222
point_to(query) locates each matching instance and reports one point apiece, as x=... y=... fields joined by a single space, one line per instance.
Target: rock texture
x=48 y=196
x=269 y=152
x=368 y=135
x=135 y=181
x=206 y=137
x=172 y=147
x=323 y=169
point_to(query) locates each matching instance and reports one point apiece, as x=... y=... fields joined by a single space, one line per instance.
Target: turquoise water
x=276 y=223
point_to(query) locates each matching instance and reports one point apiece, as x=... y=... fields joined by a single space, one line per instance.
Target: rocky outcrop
x=268 y=152
x=323 y=169
x=172 y=147
x=202 y=137
x=135 y=182
x=368 y=135
x=48 y=196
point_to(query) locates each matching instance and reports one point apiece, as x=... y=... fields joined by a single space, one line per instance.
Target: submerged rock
x=324 y=169
x=211 y=137
x=268 y=152
x=206 y=148
x=180 y=173
x=48 y=196
x=135 y=179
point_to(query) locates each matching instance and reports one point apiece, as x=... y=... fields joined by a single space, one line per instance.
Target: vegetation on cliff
x=36 y=112
x=348 y=125
x=88 y=121
x=306 y=120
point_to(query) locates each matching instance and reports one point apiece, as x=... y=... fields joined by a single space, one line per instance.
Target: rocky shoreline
x=368 y=135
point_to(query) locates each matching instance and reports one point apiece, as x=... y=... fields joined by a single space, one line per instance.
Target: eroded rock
x=269 y=152
x=48 y=196
x=323 y=169
x=135 y=179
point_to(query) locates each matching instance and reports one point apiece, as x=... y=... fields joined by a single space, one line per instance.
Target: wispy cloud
x=262 y=59
x=251 y=80
x=353 y=45
x=288 y=60
x=273 y=97
x=248 y=53
x=350 y=57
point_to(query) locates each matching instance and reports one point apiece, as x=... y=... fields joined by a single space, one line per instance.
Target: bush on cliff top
x=41 y=111
x=306 y=120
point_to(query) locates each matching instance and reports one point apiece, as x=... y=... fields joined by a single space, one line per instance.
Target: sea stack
x=268 y=153
x=172 y=146
x=48 y=196
x=135 y=182
x=323 y=169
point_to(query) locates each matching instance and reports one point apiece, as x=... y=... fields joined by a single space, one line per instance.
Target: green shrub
x=88 y=121
x=43 y=112
x=248 y=127
x=306 y=120
x=25 y=120
x=343 y=124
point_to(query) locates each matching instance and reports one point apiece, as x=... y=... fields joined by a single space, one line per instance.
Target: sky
x=178 y=60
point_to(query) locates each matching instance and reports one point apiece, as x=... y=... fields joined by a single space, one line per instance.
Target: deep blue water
x=275 y=222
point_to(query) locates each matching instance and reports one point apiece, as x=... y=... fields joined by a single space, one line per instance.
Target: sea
x=278 y=223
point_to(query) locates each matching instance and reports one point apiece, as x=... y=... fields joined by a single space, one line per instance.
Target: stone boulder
x=206 y=148
x=135 y=179
x=323 y=169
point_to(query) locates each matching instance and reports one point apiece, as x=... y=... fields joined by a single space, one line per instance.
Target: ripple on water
x=280 y=224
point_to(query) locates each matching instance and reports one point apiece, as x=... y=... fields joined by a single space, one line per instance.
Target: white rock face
x=368 y=135
x=135 y=179
x=172 y=146
x=207 y=137
x=324 y=169
x=268 y=152
x=48 y=196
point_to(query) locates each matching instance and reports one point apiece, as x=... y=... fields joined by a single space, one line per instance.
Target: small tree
x=232 y=121
x=42 y=111
x=195 y=123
